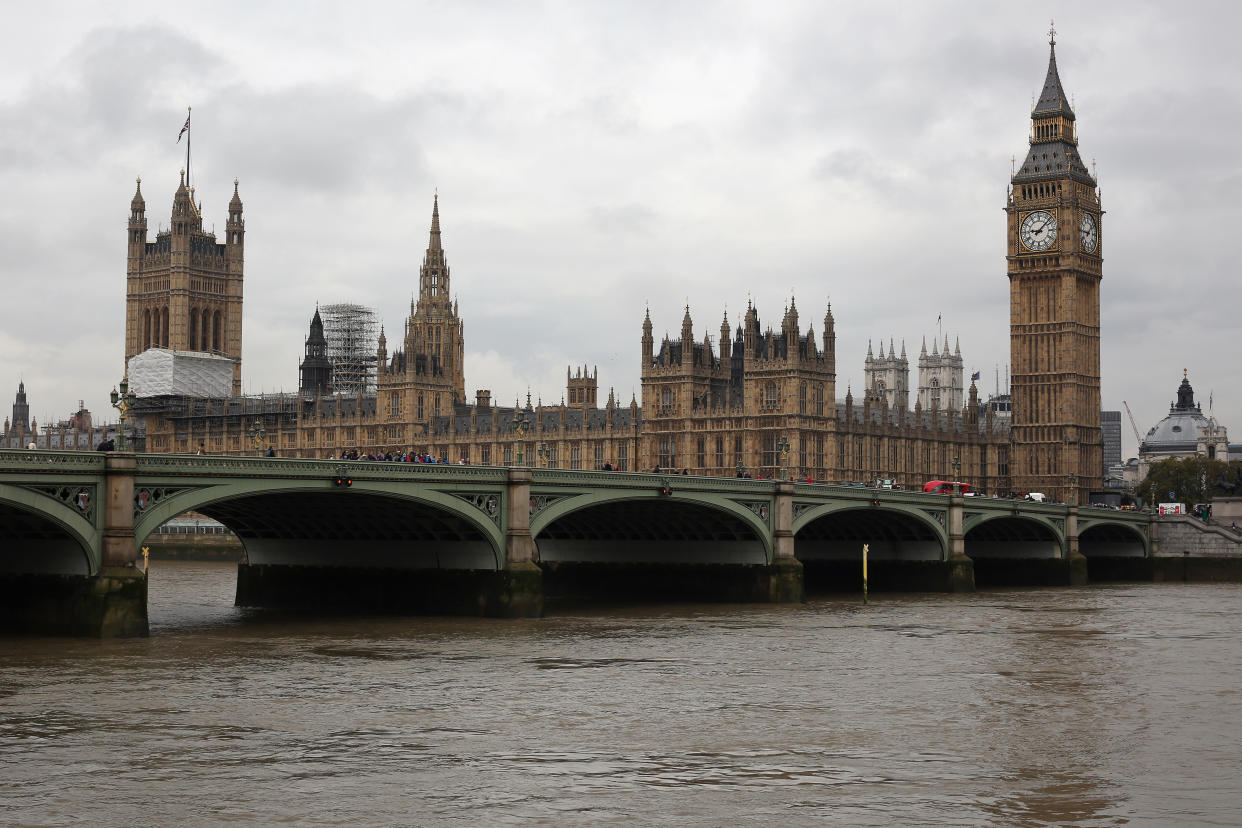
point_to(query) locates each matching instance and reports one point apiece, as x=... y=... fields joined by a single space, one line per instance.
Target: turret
x=648 y=341
x=381 y=354
x=830 y=338
x=137 y=226
x=724 y=340
x=235 y=229
x=687 y=339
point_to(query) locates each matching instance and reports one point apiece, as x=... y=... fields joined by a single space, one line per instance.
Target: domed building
x=1185 y=432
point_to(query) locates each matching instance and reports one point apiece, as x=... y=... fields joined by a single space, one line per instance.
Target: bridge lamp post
x=957 y=473
x=1072 y=479
x=122 y=402
x=521 y=425
x=544 y=454
x=782 y=445
x=257 y=435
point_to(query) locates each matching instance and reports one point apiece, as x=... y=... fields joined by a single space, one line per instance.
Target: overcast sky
x=592 y=158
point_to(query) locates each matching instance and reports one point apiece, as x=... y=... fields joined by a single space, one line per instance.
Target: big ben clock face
x=1087 y=233
x=1039 y=230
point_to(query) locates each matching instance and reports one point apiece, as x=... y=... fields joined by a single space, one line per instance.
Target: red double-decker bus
x=946 y=487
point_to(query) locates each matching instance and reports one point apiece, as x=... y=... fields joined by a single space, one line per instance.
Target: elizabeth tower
x=1054 y=246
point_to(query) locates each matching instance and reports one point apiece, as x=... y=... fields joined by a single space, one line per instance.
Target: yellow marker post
x=146 y=559
x=865 y=548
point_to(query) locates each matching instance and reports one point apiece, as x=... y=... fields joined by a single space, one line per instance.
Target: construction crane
x=1137 y=438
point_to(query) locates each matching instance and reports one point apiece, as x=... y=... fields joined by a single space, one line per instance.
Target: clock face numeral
x=1039 y=230
x=1087 y=232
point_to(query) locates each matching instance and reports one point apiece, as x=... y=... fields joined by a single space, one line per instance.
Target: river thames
x=1092 y=706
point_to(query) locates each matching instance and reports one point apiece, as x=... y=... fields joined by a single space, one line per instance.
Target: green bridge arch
x=425 y=493
x=71 y=521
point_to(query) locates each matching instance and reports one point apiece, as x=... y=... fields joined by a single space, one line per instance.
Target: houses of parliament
x=753 y=400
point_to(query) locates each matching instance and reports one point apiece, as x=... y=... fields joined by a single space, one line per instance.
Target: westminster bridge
x=495 y=541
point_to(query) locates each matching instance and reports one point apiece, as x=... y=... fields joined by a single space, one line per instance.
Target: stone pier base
x=112 y=604
x=1022 y=572
x=510 y=593
x=673 y=583
x=836 y=576
x=1196 y=569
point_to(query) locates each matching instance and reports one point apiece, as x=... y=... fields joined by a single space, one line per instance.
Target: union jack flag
x=183 y=129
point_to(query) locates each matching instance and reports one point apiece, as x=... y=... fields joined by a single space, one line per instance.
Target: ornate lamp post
x=521 y=425
x=257 y=435
x=1072 y=479
x=544 y=454
x=122 y=402
x=741 y=468
x=782 y=445
x=957 y=473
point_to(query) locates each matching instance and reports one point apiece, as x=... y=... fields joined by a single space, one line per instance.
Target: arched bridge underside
x=1012 y=537
x=650 y=531
x=1110 y=540
x=33 y=543
x=889 y=534
x=353 y=529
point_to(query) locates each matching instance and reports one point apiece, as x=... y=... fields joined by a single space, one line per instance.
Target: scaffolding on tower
x=352 y=336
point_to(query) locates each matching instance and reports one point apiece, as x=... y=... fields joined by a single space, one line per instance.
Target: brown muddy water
x=1092 y=706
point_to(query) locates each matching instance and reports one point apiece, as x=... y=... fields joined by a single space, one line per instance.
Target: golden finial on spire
x=1052 y=33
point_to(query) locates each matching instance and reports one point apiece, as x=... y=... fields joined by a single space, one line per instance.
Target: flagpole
x=189 y=135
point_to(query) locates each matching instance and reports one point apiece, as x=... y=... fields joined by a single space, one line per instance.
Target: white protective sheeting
x=158 y=372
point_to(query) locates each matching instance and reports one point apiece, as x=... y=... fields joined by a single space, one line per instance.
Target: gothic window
x=666 y=400
x=599 y=455
x=193 y=327
x=769 y=460
x=575 y=456
x=701 y=452
x=435 y=342
x=215 y=333
x=420 y=407
x=508 y=456
x=819 y=452
x=146 y=329
x=623 y=457
x=770 y=399
x=485 y=455
x=935 y=393
x=435 y=406
x=802 y=398
x=668 y=453
x=720 y=457
x=204 y=333
x=394 y=405
x=737 y=450
x=803 y=440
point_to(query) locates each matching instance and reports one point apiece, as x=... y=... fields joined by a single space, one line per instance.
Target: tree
x=1191 y=480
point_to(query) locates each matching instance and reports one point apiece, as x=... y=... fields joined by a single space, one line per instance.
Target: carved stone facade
x=756 y=401
x=1055 y=240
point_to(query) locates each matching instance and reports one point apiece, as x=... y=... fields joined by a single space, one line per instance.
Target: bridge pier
x=960 y=569
x=786 y=578
x=519 y=592
x=109 y=603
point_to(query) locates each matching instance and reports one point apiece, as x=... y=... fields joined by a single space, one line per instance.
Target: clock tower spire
x=1054 y=261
